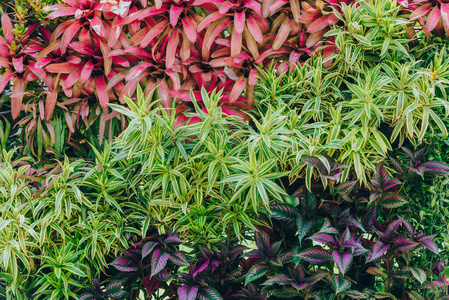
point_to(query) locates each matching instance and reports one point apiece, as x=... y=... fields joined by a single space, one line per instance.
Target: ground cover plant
x=224 y=149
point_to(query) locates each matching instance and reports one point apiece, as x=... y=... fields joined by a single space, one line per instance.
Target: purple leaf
x=255 y=273
x=151 y=284
x=436 y=168
x=187 y=292
x=172 y=238
x=279 y=279
x=315 y=255
x=262 y=240
x=429 y=244
x=393 y=227
x=178 y=258
x=340 y=284
x=393 y=201
x=114 y=290
x=402 y=243
x=148 y=248
x=315 y=163
x=328 y=228
x=158 y=261
x=379 y=249
x=123 y=264
x=303 y=226
x=345 y=188
x=208 y=293
x=283 y=212
x=342 y=260
x=323 y=238
x=274 y=249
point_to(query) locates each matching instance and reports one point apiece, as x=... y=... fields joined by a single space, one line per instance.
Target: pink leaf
x=445 y=15
x=318 y=24
x=69 y=34
x=63 y=68
x=17 y=94
x=4 y=79
x=209 y=19
x=175 y=12
x=189 y=27
x=18 y=64
x=433 y=19
x=254 y=29
x=237 y=89
x=97 y=25
x=225 y=6
x=102 y=94
x=7 y=28
x=50 y=103
x=62 y=12
x=87 y=71
x=73 y=77
x=155 y=31
x=283 y=33
x=236 y=43
x=163 y=93
x=171 y=48
x=239 y=21
x=252 y=78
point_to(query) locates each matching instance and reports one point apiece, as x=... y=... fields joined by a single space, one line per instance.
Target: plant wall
x=224 y=149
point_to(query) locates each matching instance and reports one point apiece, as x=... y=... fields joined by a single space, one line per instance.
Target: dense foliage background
x=240 y=149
